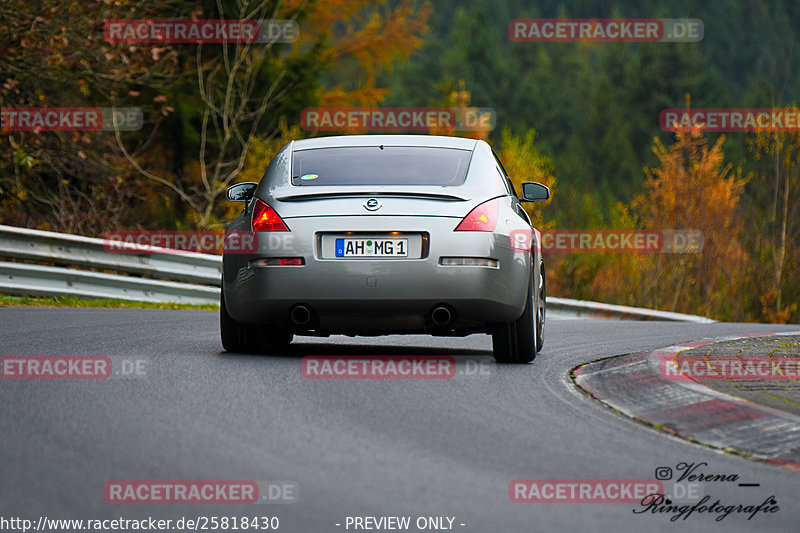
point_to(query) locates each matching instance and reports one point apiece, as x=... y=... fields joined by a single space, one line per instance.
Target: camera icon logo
x=663 y=473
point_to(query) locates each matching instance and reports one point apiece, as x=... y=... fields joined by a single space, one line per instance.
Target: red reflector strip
x=277 y=261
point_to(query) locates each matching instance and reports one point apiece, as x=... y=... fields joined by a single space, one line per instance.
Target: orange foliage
x=692 y=189
x=366 y=38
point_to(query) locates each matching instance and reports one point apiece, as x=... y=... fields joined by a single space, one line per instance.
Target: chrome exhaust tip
x=441 y=315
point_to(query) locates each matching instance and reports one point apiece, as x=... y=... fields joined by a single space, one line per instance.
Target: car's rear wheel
x=517 y=341
x=246 y=338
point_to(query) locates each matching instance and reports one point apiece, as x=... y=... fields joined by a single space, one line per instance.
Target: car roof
x=432 y=141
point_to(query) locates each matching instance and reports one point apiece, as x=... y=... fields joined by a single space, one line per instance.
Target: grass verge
x=71 y=301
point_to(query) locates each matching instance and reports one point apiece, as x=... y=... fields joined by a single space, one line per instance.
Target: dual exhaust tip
x=301 y=315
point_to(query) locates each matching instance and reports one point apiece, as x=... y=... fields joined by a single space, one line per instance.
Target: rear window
x=375 y=165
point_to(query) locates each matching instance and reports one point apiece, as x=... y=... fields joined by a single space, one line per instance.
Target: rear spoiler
x=301 y=197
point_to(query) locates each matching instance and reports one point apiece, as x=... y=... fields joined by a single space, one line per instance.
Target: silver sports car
x=384 y=234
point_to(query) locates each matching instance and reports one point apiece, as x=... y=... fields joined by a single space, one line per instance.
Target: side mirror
x=241 y=192
x=534 y=192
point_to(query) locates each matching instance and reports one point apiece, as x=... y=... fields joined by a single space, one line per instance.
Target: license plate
x=347 y=247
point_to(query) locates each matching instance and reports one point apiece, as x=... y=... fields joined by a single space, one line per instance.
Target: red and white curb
x=633 y=385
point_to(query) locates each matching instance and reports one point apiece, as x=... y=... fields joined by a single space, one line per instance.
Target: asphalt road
x=354 y=447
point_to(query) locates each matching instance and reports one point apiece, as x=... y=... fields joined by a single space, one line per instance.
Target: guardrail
x=186 y=278
x=565 y=307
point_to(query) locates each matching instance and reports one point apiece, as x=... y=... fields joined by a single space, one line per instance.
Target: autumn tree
x=691 y=189
x=246 y=90
x=52 y=54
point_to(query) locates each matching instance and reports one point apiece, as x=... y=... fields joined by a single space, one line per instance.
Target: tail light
x=267 y=219
x=482 y=218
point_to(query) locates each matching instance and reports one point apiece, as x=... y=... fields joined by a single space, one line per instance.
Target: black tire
x=245 y=338
x=503 y=343
x=516 y=342
x=232 y=334
x=541 y=312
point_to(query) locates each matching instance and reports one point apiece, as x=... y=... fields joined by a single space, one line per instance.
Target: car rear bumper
x=380 y=295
